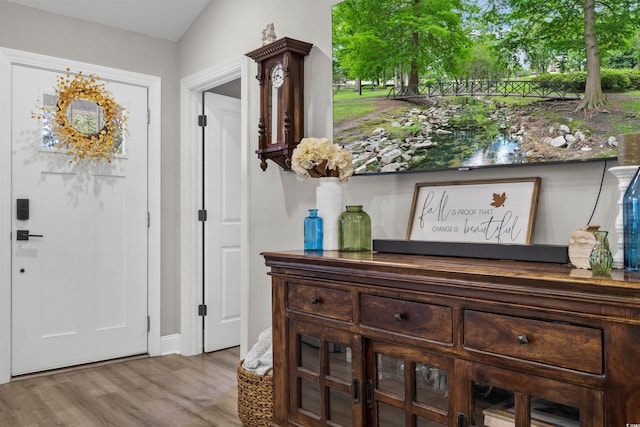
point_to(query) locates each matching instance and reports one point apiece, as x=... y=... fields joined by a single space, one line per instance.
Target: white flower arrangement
x=319 y=157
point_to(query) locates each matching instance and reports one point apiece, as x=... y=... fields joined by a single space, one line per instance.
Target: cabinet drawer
x=558 y=344
x=331 y=303
x=428 y=321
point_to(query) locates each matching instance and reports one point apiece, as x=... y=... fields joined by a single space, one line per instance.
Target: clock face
x=277 y=76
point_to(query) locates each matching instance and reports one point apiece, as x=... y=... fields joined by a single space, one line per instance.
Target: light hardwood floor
x=160 y=391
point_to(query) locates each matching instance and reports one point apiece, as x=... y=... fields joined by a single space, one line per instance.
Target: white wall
x=278 y=202
x=36 y=31
x=225 y=31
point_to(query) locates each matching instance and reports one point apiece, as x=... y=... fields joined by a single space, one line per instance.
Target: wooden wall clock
x=281 y=78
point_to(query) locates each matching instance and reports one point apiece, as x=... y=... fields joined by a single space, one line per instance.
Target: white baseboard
x=170 y=344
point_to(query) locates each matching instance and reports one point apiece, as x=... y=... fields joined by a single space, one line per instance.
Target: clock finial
x=269 y=34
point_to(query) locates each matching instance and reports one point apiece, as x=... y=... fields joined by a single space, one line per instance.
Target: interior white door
x=222 y=228
x=79 y=292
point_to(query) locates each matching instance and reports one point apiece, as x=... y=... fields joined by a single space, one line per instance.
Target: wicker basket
x=255 y=397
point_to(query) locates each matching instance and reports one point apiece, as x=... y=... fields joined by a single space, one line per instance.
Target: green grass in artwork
x=348 y=103
x=345 y=94
x=628 y=106
x=631 y=105
x=346 y=110
x=516 y=101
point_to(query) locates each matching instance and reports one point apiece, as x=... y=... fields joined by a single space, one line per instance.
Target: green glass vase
x=354 y=230
x=601 y=259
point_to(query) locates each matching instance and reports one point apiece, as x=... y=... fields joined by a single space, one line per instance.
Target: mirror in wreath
x=82 y=119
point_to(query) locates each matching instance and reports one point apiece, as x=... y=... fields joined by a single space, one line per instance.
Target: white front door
x=222 y=228
x=79 y=286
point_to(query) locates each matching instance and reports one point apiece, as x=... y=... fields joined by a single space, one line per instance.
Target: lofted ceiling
x=166 y=19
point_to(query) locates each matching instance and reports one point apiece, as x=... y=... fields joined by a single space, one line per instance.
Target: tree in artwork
x=569 y=29
x=383 y=38
x=411 y=40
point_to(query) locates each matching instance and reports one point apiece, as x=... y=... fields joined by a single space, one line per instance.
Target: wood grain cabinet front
x=427 y=321
x=383 y=340
x=557 y=344
x=320 y=301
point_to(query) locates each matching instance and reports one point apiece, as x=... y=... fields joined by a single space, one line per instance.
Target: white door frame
x=10 y=57
x=191 y=89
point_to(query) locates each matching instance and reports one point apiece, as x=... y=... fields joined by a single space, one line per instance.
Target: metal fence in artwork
x=522 y=88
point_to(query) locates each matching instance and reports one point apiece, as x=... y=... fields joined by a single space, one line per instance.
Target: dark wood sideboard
x=379 y=339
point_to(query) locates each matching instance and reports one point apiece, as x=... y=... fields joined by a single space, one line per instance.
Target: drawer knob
x=523 y=339
x=315 y=300
x=398 y=316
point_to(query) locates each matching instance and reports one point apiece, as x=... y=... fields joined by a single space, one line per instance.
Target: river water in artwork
x=467 y=148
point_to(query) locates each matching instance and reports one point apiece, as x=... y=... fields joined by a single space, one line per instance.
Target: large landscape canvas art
x=460 y=84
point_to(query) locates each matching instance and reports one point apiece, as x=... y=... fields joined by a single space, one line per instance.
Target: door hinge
x=202 y=120
x=148 y=219
x=202 y=310
x=148 y=116
x=368 y=393
x=148 y=323
x=202 y=215
x=356 y=390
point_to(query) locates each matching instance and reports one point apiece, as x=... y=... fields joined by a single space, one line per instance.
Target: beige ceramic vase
x=581 y=244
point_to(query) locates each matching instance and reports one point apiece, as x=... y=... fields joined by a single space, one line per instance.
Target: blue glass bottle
x=631 y=224
x=313 y=231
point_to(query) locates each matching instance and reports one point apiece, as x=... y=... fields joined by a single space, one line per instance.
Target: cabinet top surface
x=445 y=266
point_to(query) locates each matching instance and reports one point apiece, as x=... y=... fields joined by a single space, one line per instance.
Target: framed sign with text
x=490 y=211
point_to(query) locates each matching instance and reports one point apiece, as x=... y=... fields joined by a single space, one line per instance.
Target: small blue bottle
x=631 y=224
x=313 y=231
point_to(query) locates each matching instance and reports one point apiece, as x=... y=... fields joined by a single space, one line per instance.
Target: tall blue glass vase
x=313 y=231
x=631 y=224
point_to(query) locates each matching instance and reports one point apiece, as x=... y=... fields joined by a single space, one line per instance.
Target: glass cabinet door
x=324 y=385
x=406 y=387
x=501 y=398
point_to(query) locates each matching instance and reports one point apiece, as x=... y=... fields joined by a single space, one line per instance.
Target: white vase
x=329 y=205
x=624 y=174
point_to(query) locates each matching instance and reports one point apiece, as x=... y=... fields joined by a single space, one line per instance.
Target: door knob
x=24 y=235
